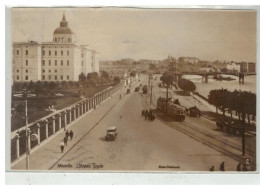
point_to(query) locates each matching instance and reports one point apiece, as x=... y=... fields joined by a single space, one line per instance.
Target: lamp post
x=151 y=91
x=26 y=130
x=243 y=123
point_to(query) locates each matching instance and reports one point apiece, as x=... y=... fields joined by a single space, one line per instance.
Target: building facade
x=63 y=59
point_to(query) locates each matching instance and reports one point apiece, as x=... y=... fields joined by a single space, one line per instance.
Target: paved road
x=141 y=145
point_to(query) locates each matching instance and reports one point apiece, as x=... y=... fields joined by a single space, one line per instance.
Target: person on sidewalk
x=212 y=168
x=67 y=134
x=244 y=167
x=62 y=146
x=239 y=167
x=65 y=139
x=71 y=134
x=222 y=166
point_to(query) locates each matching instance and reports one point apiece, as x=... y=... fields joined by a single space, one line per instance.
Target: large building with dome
x=62 y=59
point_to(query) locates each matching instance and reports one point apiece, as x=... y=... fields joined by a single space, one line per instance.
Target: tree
x=152 y=66
x=181 y=59
x=104 y=74
x=92 y=75
x=116 y=79
x=187 y=85
x=82 y=77
x=133 y=73
x=166 y=79
x=19 y=108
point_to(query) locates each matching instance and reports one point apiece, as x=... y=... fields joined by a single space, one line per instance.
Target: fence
x=48 y=126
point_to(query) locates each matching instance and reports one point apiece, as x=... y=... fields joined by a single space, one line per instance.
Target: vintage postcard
x=133 y=90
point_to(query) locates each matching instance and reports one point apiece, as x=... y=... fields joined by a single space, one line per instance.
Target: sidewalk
x=49 y=153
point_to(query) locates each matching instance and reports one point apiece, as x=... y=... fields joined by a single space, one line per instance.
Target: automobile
x=111 y=134
x=137 y=89
x=59 y=94
x=128 y=91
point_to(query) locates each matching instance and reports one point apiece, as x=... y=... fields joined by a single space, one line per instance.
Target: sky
x=118 y=33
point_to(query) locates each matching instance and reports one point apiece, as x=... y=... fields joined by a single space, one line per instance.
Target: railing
x=52 y=124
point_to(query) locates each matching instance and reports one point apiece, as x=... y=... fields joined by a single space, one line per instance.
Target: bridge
x=205 y=75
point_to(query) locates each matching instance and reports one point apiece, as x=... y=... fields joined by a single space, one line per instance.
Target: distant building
x=139 y=67
x=120 y=74
x=234 y=67
x=127 y=61
x=107 y=66
x=59 y=60
x=248 y=67
x=191 y=60
x=251 y=67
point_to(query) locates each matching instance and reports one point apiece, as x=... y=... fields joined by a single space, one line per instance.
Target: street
x=141 y=144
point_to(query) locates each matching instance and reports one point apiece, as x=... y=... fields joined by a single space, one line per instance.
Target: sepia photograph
x=116 y=89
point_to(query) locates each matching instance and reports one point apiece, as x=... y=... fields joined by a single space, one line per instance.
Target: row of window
x=55 y=77
x=25 y=70
x=18 y=52
x=18 y=77
x=43 y=77
x=56 y=53
x=43 y=52
x=57 y=39
x=49 y=70
x=56 y=62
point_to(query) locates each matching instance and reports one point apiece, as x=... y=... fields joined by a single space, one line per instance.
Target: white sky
x=147 y=33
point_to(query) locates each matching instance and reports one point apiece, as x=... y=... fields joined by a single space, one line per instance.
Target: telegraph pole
x=151 y=92
x=243 y=124
x=166 y=99
x=26 y=131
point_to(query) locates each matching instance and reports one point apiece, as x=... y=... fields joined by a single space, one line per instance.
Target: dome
x=63 y=30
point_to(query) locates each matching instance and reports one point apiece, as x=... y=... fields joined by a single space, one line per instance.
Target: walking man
x=145 y=114
x=212 y=168
x=67 y=134
x=62 y=146
x=239 y=167
x=71 y=134
x=65 y=139
x=222 y=166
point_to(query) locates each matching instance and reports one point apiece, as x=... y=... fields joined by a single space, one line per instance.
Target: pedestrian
x=150 y=114
x=67 y=134
x=212 y=168
x=222 y=166
x=65 y=139
x=244 y=167
x=120 y=96
x=145 y=115
x=62 y=146
x=71 y=134
x=239 y=167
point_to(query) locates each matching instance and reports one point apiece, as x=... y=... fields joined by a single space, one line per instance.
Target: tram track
x=210 y=135
x=207 y=139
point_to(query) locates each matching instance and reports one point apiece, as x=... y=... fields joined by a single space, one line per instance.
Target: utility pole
x=166 y=99
x=26 y=131
x=151 y=92
x=243 y=124
x=149 y=80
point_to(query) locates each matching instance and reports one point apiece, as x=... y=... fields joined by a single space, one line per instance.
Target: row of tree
x=89 y=80
x=242 y=102
x=186 y=85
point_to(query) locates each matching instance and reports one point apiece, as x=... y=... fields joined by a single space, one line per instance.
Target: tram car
x=174 y=111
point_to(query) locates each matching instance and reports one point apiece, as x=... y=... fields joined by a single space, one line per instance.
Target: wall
x=30 y=70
